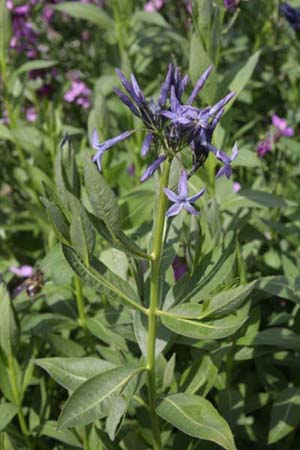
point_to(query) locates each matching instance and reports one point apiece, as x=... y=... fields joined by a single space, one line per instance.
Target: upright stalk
x=80 y=302
x=157 y=244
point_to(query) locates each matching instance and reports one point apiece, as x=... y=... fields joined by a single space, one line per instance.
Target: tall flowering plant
x=161 y=311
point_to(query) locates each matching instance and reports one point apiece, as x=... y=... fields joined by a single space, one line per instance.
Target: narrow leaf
x=9 y=327
x=285 y=414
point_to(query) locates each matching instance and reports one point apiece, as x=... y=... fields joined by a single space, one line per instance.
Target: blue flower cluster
x=171 y=126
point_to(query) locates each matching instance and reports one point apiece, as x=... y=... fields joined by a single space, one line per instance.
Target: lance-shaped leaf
x=57 y=220
x=98 y=276
x=196 y=417
x=5 y=29
x=114 y=418
x=90 y=401
x=180 y=320
x=120 y=241
x=226 y=302
x=9 y=327
x=66 y=173
x=85 y=11
x=81 y=231
x=102 y=198
x=70 y=373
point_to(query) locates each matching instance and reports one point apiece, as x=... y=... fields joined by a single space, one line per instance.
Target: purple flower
x=182 y=201
x=226 y=160
x=106 y=145
x=152 y=168
x=264 y=147
x=179 y=267
x=22 y=271
x=231 y=4
x=281 y=126
x=292 y=15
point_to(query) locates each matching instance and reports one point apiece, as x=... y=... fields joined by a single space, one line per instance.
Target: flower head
x=22 y=271
x=181 y=200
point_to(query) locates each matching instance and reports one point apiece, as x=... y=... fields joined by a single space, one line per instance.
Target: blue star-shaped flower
x=182 y=201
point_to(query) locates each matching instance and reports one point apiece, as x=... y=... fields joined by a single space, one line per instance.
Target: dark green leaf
x=7 y=413
x=9 y=327
x=285 y=414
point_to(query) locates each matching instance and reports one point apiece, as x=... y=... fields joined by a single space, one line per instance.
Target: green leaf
x=285 y=414
x=100 y=278
x=116 y=412
x=243 y=75
x=277 y=337
x=88 y=12
x=7 y=413
x=57 y=220
x=253 y=199
x=280 y=286
x=35 y=65
x=9 y=327
x=169 y=372
x=5 y=133
x=82 y=233
x=226 y=302
x=197 y=329
x=70 y=373
x=120 y=241
x=66 y=436
x=196 y=417
x=88 y=402
x=104 y=334
x=102 y=198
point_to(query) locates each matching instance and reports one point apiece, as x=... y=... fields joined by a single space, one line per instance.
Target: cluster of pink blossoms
x=281 y=129
x=78 y=92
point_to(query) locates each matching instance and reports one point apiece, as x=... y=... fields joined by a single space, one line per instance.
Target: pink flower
x=153 y=5
x=22 y=271
x=78 y=93
x=281 y=125
x=31 y=114
x=237 y=187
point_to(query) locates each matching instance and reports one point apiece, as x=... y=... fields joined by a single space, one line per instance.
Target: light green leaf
x=35 y=65
x=9 y=327
x=102 y=198
x=197 y=329
x=5 y=133
x=70 y=373
x=226 y=302
x=88 y=12
x=285 y=414
x=277 y=337
x=88 y=403
x=253 y=199
x=280 y=286
x=140 y=325
x=7 y=413
x=244 y=74
x=5 y=29
x=66 y=436
x=169 y=372
x=196 y=417
x=57 y=220
x=116 y=412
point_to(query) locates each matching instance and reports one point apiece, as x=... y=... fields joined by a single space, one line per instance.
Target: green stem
x=154 y=302
x=17 y=398
x=80 y=302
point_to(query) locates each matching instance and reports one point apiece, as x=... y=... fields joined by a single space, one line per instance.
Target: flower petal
x=95 y=139
x=152 y=168
x=199 y=85
x=183 y=185
x=126 y=100
x=216 y=108
x=146 y=144
x=171 y=195
x=191 y=209
x=174 y=210
x=235 y=152
x=196 y=196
